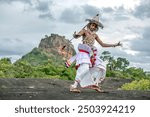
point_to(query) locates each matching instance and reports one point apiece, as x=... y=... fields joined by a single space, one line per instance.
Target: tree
x=105 y=56
x=23 y=69
x=136 y=73
x=5 y=60
x=6 y=68
x=121 y=64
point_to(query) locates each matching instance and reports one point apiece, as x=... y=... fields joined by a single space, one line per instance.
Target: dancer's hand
x=75 y=35
x=118 y=44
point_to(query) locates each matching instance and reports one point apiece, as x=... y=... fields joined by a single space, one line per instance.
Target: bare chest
x=89 y=38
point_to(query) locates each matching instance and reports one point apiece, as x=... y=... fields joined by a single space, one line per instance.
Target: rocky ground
x=56 y=89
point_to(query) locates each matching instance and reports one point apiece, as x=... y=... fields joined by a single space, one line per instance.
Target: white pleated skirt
x=88 y=77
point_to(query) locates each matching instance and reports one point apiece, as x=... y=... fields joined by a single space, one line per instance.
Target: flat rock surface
x=56 y=89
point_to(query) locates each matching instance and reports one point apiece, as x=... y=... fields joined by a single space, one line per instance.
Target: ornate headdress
x=96 y=21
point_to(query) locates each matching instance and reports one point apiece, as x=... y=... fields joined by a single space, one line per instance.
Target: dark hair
x=96 y=29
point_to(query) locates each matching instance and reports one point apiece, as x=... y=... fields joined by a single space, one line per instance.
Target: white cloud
x=129 y=4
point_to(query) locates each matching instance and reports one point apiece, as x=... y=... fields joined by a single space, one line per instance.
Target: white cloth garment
x=86 y=75
x=81 y=57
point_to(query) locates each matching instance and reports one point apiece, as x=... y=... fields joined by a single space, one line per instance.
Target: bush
x=143 y=84
x=116 y=74
x=6 y=68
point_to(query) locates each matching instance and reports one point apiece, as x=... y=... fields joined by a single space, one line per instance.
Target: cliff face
x=55 y=44
x=50 y=49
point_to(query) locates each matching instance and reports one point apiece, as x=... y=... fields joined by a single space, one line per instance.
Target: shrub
x=143 y=84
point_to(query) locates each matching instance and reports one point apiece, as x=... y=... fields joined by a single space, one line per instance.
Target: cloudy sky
x=24 y=22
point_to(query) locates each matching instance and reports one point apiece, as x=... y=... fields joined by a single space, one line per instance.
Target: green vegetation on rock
x=143 y=84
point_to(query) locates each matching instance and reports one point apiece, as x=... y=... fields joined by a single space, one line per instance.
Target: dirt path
x=55 y=89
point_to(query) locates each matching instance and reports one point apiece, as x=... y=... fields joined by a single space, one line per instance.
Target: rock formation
x=51 y=50
x=57 y=44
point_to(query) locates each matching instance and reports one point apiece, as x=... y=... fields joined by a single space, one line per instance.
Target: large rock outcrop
x=53 y=48
x=57 y=44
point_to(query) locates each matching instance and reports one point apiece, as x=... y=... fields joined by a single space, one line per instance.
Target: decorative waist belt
x=80 y=50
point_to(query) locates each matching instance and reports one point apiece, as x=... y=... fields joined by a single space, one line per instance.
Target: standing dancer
x=91 y=69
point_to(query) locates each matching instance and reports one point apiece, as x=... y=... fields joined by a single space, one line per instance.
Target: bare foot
x=74 y=90
x=97 y=88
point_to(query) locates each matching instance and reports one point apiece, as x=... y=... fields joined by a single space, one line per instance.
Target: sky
x=23 y=23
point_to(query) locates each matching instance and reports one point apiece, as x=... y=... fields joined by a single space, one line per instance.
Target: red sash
x=80 y=50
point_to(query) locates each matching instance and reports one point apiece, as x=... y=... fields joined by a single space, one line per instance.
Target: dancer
x=91 y=69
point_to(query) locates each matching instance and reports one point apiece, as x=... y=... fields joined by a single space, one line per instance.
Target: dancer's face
x=93 y=26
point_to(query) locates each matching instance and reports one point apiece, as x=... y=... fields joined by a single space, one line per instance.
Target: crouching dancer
x=91 y=69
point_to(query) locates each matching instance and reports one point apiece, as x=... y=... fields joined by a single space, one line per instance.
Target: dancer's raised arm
x=105 y=44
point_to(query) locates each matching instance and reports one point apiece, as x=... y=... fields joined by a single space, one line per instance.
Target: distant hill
x=50 y=50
